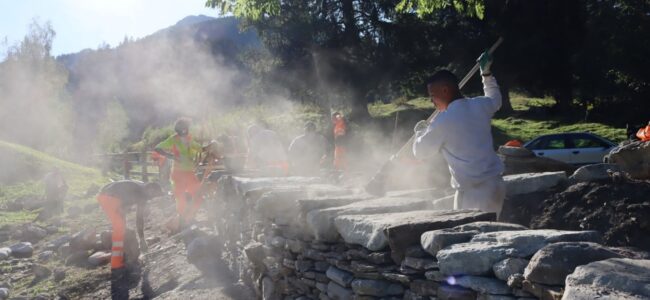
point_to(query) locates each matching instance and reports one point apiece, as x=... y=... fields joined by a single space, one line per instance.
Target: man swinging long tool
x=461 y=132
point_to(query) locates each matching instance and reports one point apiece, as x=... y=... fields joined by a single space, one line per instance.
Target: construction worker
x=307 y=151
x=266 y=152
x=182 y=149
x=643 y=134
x=462 y=134
x=116 y=199
x=340 y=132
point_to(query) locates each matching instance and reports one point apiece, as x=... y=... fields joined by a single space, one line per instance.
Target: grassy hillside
x=22 y=171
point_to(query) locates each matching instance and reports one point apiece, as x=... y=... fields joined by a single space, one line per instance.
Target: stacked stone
x=314 y=241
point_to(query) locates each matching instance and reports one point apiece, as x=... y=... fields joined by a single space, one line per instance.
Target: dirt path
x=166 y=271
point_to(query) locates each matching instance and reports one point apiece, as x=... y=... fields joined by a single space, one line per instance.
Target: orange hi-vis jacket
x=644 y=133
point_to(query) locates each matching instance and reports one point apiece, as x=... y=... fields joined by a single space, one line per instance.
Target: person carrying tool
x=266 y=152
x=182 y=149
x=462 y=133
x=306 y=152
x=117 y=198
x=340 y=133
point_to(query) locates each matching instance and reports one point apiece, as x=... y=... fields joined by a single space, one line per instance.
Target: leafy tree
x=34 y=105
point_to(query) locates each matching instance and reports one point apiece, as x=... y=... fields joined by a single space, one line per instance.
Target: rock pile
x=309 y=240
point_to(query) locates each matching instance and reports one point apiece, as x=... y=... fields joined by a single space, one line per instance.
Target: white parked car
x=572 y=148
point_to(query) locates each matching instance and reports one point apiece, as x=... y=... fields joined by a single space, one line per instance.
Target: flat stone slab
x=527 y=242
x=532 y=182
x=436 y=240
x=246 y=184
x=235 y=188
x=321 y=221
x=553 y=263
x=486 y=249
x=484 y=227
x=305 y=205
x=616 y=278
x=280 y=205
x=401 y=230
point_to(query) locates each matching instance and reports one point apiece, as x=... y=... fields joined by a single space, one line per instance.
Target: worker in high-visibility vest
x=182 y=149
x=117 y=198
x=644 y=133
x=340 y=130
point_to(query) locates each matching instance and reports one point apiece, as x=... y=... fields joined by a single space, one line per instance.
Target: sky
x=81 y=24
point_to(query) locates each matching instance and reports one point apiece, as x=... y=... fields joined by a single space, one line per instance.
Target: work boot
x=119 y=284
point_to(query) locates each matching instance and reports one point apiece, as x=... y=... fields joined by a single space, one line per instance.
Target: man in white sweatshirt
x=461 y=132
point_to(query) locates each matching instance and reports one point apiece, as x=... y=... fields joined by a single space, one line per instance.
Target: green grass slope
x=21 y=171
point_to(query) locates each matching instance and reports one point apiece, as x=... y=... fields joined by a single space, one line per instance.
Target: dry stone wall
x=300 y=238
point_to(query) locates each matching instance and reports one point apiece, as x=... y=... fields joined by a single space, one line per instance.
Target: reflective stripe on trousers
x=113 y=208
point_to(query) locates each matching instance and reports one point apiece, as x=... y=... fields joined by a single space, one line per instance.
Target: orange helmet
x=514 y=143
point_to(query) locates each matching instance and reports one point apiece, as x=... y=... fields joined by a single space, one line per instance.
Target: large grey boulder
x=22 y=250
x=485 y=285
x=401 y=230
x=616 y=278
x=99 y=258
x=486 y=249
x=321 y=221
x=532 y=182
x=32 y=233
x=594 y=172
x=553 y=263
x=377 y=288
x=633 y=158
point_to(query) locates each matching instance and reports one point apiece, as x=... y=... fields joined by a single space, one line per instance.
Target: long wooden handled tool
x=376 y=185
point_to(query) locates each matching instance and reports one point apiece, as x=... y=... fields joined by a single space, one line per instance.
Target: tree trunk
x=351 y=32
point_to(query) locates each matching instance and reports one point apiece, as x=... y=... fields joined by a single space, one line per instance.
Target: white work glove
x=420 y=126
x=485 y=62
